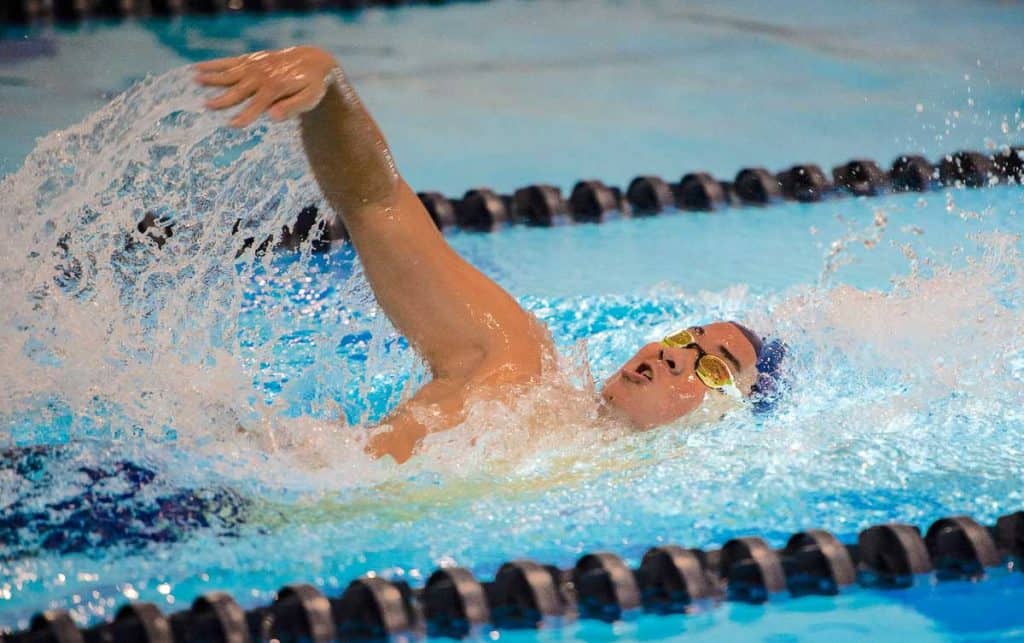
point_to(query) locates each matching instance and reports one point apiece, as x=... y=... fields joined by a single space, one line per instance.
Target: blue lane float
x=525 y=594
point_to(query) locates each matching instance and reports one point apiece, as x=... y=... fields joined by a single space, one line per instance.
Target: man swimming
x=476 y=339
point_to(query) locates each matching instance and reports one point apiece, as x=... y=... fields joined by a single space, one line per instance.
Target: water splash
x=121 y=332
x=153 y=347
x=186 y=333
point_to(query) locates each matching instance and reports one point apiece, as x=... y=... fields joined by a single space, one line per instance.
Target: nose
x=674 y=359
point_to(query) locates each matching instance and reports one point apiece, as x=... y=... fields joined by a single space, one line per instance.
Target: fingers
x=220 y=64
x=221 y=78
x=281 y=83
x=293 y=105
x=235 y=95
x=263 y=99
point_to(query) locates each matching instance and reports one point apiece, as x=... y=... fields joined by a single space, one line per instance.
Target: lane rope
x=525 y=594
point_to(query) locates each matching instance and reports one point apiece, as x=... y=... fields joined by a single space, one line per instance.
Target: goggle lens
x=711 y=369
x=714 y=372
x=682 y=339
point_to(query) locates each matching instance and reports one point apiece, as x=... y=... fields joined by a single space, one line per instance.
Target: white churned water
x=188 y=357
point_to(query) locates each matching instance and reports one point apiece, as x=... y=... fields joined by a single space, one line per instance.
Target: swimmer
x=475 y=338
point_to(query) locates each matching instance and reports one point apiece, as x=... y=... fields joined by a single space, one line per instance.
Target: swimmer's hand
x=399 y=442
x=282 y=83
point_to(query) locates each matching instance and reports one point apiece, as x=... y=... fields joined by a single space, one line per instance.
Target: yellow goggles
x=711 y=369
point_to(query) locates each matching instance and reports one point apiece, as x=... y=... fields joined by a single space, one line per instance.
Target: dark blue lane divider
x=591 y=201
x=525 y=594
x=28 y=11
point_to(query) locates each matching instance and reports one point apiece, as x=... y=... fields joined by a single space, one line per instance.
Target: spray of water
x=132 y=253
x=186 y=334
x=211 y=390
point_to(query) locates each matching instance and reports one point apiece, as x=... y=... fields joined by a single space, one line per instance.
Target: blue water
x=514 y=92
x=902 y=313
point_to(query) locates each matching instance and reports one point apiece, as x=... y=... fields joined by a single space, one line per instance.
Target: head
x=660 y=383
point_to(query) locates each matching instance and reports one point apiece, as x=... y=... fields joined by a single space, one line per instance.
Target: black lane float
x=525 y=594
x=21 y=12
x=483 y=209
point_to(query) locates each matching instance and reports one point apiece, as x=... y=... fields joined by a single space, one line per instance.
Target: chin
x=635 y=422
x=609 y=410
x=635 y=408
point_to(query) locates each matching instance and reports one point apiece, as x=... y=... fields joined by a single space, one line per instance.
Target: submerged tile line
x=524 y=594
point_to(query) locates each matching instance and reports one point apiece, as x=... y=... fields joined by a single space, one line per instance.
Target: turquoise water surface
x=177 y=419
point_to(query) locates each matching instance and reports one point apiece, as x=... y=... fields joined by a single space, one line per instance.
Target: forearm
x=347 y=152
x=424 y=287
x=460 y=320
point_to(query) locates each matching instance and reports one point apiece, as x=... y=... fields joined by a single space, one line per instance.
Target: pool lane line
x=27 y=12
x=525 y=594
x=483 y=209
x=592 y=201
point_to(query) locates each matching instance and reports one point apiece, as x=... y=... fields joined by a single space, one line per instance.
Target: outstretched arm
x=468 y=329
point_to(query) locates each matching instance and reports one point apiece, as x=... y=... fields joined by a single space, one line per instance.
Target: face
x=659 y=384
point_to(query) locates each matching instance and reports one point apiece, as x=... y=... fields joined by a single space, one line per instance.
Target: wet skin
x=659 y=384
x=476 y=339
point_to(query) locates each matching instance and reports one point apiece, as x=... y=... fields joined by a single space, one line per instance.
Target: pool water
x=127 y=367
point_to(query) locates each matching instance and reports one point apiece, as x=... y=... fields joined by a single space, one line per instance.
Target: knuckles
x=273 y=74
